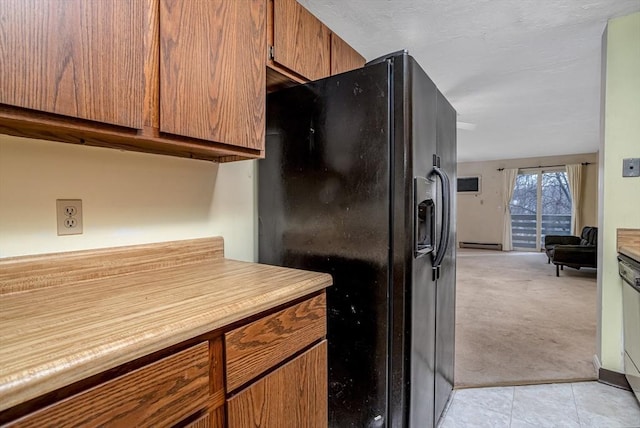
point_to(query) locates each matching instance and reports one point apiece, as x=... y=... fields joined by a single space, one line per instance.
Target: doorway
x=541 y=205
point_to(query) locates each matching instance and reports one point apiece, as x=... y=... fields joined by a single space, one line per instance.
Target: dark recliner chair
x=573 y=251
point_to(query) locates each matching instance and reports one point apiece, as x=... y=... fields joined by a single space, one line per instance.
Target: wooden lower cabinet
x=203 y=421
x=159 y=394
x=282 y=356
x=215 y=419
x=294 y=395
x=254 y=348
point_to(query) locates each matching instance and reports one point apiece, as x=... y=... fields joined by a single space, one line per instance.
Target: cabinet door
x=301 y=42
x=76 y=58
x=212 y=73
x=293 y=396
x=203 y=421
x=344 y=57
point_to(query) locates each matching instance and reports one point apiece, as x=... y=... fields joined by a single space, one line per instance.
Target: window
x=541 y=205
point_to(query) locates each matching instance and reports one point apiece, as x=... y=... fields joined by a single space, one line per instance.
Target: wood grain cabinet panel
x=344 y=57
x=160 y=394
x=203 y=421
x=215 y=419
x=257 y=347
x=212 y=74
x=293 y=396
x=76 y=58
x=301 y=42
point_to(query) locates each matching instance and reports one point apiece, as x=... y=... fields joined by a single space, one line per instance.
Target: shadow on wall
x=128 y=198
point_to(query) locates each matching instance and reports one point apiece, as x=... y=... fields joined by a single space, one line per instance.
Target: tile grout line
x=513 y=399
x=575 y=403
x=447 y=407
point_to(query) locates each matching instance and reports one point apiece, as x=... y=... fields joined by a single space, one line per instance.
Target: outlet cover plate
x=69 y=216
x=631 y=167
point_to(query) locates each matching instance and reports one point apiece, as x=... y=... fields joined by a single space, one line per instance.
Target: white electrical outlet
x=69 y=215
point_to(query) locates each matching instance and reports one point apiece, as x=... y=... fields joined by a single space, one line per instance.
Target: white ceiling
x=525 y=72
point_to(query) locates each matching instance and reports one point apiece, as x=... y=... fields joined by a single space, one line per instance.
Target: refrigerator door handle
x=443 y=243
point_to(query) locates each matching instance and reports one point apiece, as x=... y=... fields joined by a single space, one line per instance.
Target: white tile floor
x=561 y=405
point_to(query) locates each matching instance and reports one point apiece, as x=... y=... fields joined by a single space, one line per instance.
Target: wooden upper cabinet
x=212 y=74
x=301 y=43
x=344 y=57
x=77 y=58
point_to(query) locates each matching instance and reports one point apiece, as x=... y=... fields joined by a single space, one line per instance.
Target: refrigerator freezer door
x=421 y=288
x=324 y=206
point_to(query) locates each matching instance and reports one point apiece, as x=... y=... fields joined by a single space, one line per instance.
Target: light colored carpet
x=516 y=323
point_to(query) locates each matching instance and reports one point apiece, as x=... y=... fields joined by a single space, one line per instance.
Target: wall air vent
x=470 y=184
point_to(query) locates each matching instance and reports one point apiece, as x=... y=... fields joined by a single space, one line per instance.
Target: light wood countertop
x=632 y=252
x=53 y=336
x=628 y=240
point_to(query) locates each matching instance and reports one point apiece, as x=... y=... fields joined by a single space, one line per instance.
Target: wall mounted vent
x=470 y=184
x=480 y=245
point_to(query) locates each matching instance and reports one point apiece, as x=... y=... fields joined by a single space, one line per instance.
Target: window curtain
x=508 y=184
x=574 y=178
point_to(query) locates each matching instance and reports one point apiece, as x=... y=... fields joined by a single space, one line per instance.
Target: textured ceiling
x=525 y=72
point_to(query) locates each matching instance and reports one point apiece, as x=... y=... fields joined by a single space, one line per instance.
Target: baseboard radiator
x=480 y=245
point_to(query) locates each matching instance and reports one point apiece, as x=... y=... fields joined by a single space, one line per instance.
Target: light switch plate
x=631 y=167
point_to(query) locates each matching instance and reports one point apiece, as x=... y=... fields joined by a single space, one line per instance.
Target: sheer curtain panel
x=574 y=178
x=508 y=183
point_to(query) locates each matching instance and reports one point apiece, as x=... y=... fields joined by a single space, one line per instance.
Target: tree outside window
x=554 y=202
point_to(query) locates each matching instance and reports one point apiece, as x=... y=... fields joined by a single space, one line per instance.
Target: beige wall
x=619 y=204
x=128 y=198
x=480 y=216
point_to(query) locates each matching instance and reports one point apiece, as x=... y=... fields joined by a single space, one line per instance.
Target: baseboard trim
x=525 y=382
x=613 y=378
x=480 y=245
x=610 y=377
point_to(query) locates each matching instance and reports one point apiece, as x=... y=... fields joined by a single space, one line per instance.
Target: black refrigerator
x=357 y=182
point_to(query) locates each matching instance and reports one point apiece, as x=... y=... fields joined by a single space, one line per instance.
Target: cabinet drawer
x=160 y=394
x=293 y=396
x=262 y=344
